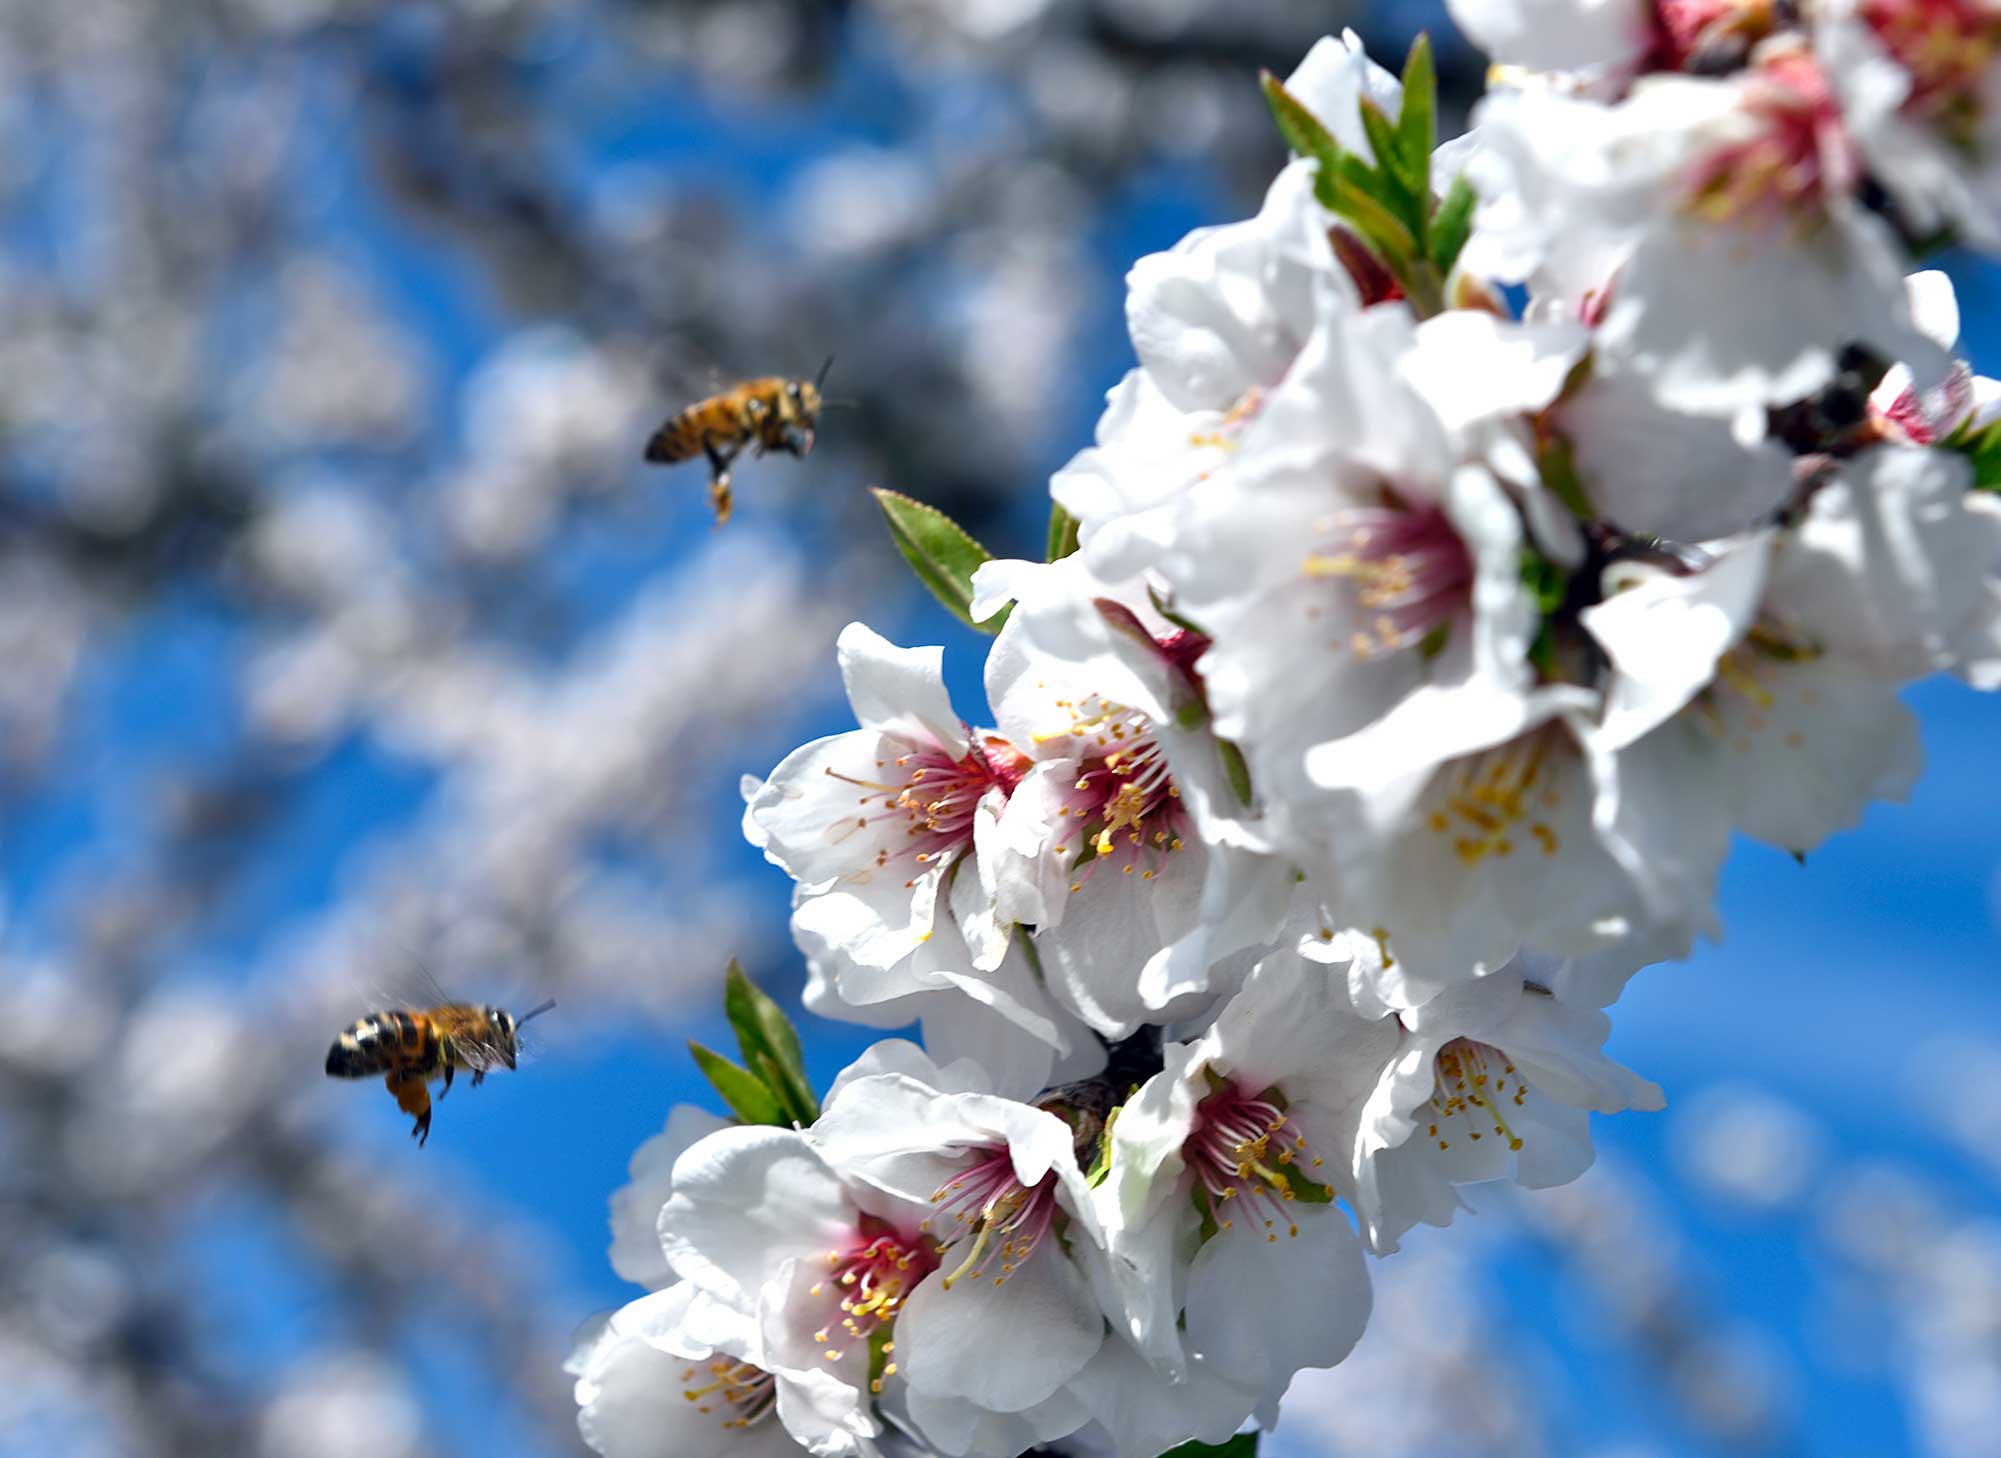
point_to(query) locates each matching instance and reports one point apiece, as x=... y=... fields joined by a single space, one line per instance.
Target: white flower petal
x=1003 y=1345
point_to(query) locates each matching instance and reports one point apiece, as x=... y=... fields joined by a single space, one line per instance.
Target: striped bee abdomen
x=384 y=1041
x=678 y=439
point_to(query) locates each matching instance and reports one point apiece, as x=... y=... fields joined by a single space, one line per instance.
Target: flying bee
x=409 y=1048
x=770 y=414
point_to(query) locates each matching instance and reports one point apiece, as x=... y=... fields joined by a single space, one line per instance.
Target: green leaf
x=939 y=551
x=1101 y=1167
x=1304 y=133
x=1244 y=1445
x=770 y=1045
x=1982 y=448
x=1302 y=130
x=1356 y=199
x=741 y=1089
x=1234 y=769
x=1062 y=534
x=1417 y=125
x=1544 y=579
x=879 y=1342
x=1452 y=223
x=1394 y=187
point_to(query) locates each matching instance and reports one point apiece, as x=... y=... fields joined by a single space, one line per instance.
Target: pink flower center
x=1799 y=155
x=1408 y=569
x=1947 y=46
x=1240 y=1150
x=1124 y=800
x=1899 y=412
x=869 y=1282
x=932 y=796
x=748 y=1394
x=995 y=1216
x=1471 y=1084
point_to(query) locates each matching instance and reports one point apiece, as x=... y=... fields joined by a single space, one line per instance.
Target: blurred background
x=344 y=641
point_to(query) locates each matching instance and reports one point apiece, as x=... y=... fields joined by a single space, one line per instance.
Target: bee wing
x=410 y=985
x=684 y=378
x=482 y=1056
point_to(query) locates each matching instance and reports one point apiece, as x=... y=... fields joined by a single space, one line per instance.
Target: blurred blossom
x=46 y=616
x=1745 y=1147
x=1927 y=1277
x=341 y=1404
x=859 y=201
x=51 y=1024
x=1958 y=1078
x=335 y=369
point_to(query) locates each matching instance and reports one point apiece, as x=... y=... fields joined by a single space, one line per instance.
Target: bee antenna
x=535 y=1011
x=821 y=378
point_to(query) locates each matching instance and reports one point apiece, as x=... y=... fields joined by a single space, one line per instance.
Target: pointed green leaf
x=770 y=1045
x=1062 y=534
x=1393 y=187
x=1244 y=1445
x=1417 y=124
x=1302 y=130
x=1305 y=134
x=939 y=551
x=747 y=1098
x=1452 y=223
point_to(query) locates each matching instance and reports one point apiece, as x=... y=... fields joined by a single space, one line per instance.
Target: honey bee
x=769 y=414
x=409 y=1048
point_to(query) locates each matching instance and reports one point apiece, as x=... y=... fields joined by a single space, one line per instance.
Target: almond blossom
x=1411 y=651
x=1494 y=1079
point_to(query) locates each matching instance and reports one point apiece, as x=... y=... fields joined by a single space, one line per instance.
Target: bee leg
x=448 y=1084
x=414 y=1099
x=721 y=455
x=720 y=462
x=478 y=1077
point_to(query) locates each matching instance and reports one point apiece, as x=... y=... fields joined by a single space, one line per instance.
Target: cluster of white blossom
x=1487 y=534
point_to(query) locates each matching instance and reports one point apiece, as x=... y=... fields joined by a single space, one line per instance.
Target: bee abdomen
x=382 y=1041
x=677 y=440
